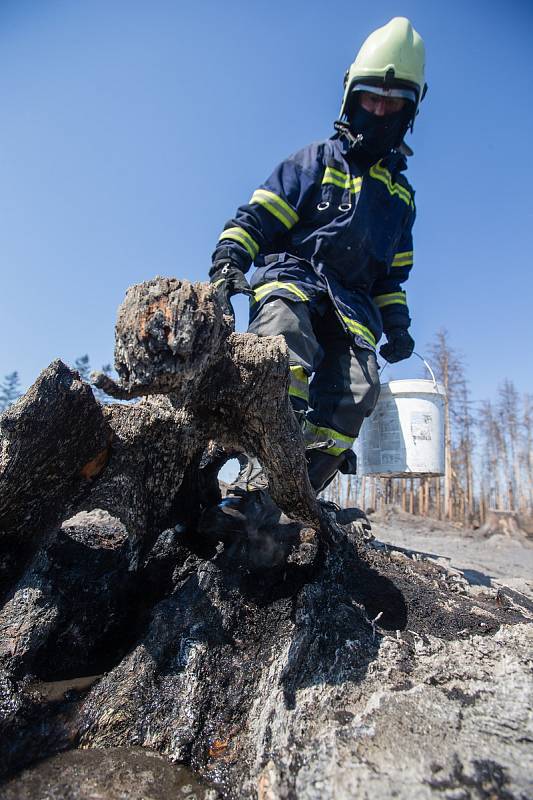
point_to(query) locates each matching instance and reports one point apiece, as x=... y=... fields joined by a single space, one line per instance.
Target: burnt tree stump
x=303 y=662
x=200 y=383
x=172 y=339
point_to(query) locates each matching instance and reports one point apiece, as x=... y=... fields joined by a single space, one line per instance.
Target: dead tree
x=296 y=660
x=63 y=452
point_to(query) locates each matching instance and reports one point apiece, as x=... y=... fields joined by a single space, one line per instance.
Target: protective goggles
x=396 y=91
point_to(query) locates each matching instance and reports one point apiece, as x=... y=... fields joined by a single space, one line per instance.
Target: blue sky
x=130 y=131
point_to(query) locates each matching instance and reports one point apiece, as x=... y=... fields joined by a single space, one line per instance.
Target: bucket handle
x=386 y=364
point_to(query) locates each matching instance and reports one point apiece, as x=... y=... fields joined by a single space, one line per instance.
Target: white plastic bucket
x=404 y=437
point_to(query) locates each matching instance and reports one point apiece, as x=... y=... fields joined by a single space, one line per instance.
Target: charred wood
x=294 y=659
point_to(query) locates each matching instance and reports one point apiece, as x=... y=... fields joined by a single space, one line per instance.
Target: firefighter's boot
x=249 y=496
x=251 y=476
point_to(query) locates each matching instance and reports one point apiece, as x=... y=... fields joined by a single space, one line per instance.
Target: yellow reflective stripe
x=382 y=300
x=361 y=330
x=244 y=238
x=403 y=259
x=315 y=433
x=220 y=280
x=342 y=179
x=299 y=386
x=299 y=373
x=382 y=174
x=294 y=391
x=277 y=206
x=337 y=174
x=266 y=288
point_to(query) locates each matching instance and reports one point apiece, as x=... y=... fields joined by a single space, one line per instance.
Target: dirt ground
x=493 y=561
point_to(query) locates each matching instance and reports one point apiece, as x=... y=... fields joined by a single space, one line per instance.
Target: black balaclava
x=381 y=134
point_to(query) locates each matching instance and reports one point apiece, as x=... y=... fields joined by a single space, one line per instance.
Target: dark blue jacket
x=321 y=224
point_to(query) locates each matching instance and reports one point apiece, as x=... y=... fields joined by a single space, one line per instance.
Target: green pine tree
x=9 y=390
x=83 y=366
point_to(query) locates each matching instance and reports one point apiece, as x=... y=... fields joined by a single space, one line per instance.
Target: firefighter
x=330 y=235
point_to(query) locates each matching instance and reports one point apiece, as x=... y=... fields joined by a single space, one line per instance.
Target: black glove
x=229 y=280
x=400 y=344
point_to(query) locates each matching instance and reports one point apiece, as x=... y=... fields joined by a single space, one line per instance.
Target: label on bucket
x=383 y=437
x=421 y=425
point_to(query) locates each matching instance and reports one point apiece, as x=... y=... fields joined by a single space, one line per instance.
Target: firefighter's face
x=379 y=105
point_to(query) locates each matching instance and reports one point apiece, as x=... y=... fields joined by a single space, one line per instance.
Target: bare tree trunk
x=349 y=485
x=527 y=454
x=447 y=464
x=458 y=442
x=482 y=506
x=362 y=493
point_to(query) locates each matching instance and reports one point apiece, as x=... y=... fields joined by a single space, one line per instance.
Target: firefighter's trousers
x=335 y=381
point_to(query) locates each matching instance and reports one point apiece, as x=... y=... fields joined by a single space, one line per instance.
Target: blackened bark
x=171 y=338
x=274 y=665
x=54 y=441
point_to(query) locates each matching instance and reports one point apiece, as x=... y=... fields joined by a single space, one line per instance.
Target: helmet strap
x=354 y=140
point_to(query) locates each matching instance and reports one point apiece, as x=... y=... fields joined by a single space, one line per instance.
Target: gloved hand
x=400 y=344
x=229 y=280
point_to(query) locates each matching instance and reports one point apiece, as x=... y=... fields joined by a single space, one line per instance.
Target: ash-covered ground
x=484 y=560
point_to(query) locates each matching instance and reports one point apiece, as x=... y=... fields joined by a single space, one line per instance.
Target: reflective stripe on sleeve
x=382 y=300
x=299 y=385
x=243 y=237
x=314 y=434
x=360 y=330
x=382 y=174
x=277 y=206
x=403 y=259
x=266 y=288
x=342 y=179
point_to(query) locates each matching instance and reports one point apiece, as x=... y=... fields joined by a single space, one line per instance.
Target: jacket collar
x=394 y=161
